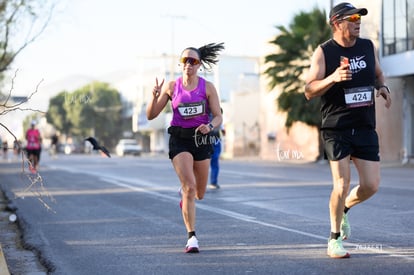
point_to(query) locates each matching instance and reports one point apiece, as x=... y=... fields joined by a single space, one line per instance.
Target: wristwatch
x=211 y=126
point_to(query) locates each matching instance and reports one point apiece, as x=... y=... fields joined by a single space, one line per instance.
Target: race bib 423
x=189 y=110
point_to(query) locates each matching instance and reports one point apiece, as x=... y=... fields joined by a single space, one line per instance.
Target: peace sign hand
x=157 y=88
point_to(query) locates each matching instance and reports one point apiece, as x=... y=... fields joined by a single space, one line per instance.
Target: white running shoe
x=336 y=249
x=192 y=245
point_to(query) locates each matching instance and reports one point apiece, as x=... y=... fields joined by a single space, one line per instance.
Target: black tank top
x=335 y=112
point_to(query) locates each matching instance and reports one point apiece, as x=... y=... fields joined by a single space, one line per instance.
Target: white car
x=128 y=147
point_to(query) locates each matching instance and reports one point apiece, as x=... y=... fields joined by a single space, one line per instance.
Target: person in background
x=192 y=99
x=344 y=72
x=216 y=137
x=17 y=148
x=5 y=149
x=33 y=147
x=54 y=145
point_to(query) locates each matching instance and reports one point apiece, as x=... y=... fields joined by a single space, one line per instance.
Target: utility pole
x=173 y=18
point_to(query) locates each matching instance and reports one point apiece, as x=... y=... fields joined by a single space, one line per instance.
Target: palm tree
x=295 y=46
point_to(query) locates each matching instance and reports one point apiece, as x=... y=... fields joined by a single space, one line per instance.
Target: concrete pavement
x=17 y=259
x=14 y=257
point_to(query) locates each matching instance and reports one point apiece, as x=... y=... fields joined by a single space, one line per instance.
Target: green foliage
x=300 y=109
x=57 y=115
x=295 y=46
x=21 y=23
x=94 y=109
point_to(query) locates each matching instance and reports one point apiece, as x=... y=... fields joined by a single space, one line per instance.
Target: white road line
x=142 y=186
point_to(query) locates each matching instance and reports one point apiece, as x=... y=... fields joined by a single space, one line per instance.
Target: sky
x=95 y=37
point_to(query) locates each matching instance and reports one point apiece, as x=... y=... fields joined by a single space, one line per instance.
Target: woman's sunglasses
x=190 y=60
x=352 y=18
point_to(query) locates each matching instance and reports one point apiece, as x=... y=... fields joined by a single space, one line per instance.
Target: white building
x=397 y=60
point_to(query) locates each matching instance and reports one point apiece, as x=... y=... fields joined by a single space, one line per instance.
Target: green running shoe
x=345 y=227
x=336 y=249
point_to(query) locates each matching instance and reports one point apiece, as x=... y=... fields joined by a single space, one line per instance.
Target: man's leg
x=341 y=181
x=369 y=179
x=341 y=177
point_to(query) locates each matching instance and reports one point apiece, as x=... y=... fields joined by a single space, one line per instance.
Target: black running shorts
x=199 y=148
x=358 y=143
x=35 y=152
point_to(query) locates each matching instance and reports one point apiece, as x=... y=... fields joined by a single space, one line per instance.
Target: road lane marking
x=145 y=186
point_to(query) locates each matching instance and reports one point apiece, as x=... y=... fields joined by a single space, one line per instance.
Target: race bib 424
x=359 y=96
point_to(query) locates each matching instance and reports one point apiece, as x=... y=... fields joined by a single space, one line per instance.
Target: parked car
x=66 y=148
x=128 y=147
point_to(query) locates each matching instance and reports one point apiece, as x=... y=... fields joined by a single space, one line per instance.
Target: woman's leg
x=183 y=165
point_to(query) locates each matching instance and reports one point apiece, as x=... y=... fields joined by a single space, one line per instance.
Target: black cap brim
x=362 y=11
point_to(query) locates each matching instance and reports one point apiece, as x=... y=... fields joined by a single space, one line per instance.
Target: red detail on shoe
x=191 y=250
x=347 y=255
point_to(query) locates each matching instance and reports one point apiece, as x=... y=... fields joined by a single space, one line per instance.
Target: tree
x=94 y=109
x=20 y=19
x=24 y=19
x=295 y=46
x=57 y=115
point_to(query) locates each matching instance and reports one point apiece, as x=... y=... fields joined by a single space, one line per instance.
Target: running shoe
x=214 y=186
x=345 y=227
x=192 y=245
x=32 y=169
x=336 y=249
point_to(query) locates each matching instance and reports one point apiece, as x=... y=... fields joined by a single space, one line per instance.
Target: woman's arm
x=160 y=99
x=214 y=104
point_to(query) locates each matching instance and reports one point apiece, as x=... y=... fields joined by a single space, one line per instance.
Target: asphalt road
x=121 y=216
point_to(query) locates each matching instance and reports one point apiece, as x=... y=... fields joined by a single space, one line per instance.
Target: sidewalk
x=14 y=258
x=4 y=230
x=3 y=265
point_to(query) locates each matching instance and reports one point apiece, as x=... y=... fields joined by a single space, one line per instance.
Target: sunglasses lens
x=190 y=60
x=353 y=18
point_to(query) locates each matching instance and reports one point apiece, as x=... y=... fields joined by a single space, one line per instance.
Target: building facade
x=255 y=127
x=397 y=61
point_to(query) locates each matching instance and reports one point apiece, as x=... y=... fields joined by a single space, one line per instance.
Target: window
x=397 y=26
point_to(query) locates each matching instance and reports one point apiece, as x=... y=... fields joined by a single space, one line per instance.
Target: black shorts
x=358 y=143
x=199 y=147
x=35 y=152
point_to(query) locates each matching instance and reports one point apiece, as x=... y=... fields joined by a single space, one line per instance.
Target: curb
x=4 y=270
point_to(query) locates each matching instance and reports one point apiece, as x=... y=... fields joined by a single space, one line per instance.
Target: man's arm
x=316 y=84
x=382 y=88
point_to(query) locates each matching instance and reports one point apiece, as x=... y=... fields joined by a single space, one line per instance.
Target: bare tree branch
x=16 y=106
x=8 y=55
x=35 y=185
x=9 y=21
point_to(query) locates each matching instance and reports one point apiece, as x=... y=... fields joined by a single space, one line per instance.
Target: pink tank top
x=33 y=139
x=190 y=108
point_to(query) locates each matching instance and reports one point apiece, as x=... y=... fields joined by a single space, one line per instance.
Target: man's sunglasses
x=190 y=60
x=352 y=18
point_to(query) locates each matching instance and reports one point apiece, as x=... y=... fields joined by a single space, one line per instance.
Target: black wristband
x=211 y=126
x=384 y=86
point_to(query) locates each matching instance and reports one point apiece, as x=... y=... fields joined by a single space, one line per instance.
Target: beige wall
x=390 y=124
